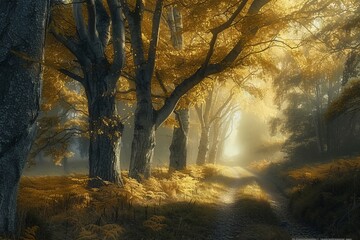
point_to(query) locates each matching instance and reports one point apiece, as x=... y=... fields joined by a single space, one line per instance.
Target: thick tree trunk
x=22 y=33
x=178 y=147
x=105 y=135
x=143 y=144
x=203 y=146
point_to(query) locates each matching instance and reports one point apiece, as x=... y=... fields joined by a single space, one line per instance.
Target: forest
x=178 y=119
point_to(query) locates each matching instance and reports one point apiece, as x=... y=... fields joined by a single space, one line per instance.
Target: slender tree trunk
x=143 y=144
x=203 y=146
x=105 y=135
x=178 y=147
x=215 y=143
x=318 y=122
x=22 y=33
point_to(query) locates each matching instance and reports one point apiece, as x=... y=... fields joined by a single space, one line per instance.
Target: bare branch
x=67 y=42
x=72 y=75
x=118 y=37
x=162 y=85
x=79 y=21
x=222 y=108
x=90 y=4
x=154 y=36
x=102 y=23
x=216 y=31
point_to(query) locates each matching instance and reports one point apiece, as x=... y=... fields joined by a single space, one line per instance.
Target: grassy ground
x=181 y=205
x=324 y=194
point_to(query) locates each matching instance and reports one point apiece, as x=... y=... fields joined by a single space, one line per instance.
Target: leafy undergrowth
x=327 y=195
x=178 y=205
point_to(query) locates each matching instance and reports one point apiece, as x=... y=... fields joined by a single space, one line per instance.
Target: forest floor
x=232 y=224
x=210 y=202
x=323 y=193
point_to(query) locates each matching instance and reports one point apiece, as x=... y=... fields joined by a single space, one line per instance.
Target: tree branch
x=216 y=31
x=118 y=37
x=162 y=85
x=71 y=75
x=79 y=22
x=90 y=4
x=67 y=42
x=210 y=69
x=102 y=23
x=222 y=108
x=154 y=37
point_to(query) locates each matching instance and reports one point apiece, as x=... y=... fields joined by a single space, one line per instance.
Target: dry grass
x=64 y=207
x=327 y=195
x=324 y=170
x=177 y=205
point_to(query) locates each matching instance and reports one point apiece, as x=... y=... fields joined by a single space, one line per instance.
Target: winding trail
x=230 y=223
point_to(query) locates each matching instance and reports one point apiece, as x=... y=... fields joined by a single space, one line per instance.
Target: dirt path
x=229 y=224
x=279 y=204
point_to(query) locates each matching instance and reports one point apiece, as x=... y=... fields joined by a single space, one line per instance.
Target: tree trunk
x=105 y=135
x=143 y=144
x=318 y=121
x=19 y=94
x=203 y=146
x=215 y=143
x=178 y=147
x=224 y=135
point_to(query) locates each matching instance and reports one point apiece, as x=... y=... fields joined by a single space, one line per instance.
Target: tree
x=304 y=89
x=21 y=54
x=99 y=78
x=178 y=147
x=148 y=119
x=220 y=132
x=210 y=113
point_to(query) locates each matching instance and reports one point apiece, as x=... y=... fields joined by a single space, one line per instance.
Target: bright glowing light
x=232 y=146
x=237 y=116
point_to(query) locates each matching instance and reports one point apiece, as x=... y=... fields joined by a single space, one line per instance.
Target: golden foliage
x=105 y=232
x=321 y=171
x=165 y=205
x=30 y=233
x=155 y=223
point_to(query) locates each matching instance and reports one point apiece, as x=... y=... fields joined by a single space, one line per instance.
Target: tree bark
x=99 y=81
x=203 y=146
x=143 y=144
x=20 y=39
x=178 y=147
x=106 y=130
x=215 y=143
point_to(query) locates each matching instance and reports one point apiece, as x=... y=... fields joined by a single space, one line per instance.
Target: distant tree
x=209 y=113
x=22 y=34
x=304 y=89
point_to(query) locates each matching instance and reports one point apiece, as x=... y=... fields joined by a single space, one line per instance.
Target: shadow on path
x=234 y=218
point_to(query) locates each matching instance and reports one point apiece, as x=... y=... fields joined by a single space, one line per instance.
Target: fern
x=105 y=232
x=30 y=233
